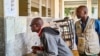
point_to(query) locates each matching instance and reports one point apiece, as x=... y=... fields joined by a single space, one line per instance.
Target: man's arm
x=56 y=46
x=51 y=45
x=63 y=48
x=76 y=38
x=97 y=28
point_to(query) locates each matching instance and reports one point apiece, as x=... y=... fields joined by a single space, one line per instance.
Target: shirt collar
x=85 y=22
x=40 y=31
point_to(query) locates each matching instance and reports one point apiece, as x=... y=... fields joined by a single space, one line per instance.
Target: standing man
x=87 y=33
x=52 y=43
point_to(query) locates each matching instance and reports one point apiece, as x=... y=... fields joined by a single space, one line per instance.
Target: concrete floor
x=75 y=52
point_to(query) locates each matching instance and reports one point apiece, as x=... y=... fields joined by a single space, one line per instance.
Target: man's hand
x=37 y=48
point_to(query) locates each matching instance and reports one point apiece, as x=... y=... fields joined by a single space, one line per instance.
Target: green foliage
x=68 y=11
x=92 y=9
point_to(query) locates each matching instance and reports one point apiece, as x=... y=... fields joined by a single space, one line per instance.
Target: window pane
x=35 y=7
x=23 y=7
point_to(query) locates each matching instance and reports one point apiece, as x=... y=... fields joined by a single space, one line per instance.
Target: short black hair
x=83 y=7
x=35 y=19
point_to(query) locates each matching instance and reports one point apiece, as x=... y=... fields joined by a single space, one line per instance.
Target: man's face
x=80 y=13
x=36 y=25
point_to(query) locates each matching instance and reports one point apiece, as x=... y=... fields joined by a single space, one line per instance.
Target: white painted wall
x=19 y=38
x=95 y=14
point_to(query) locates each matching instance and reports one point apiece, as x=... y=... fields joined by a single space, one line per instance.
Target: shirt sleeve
x=63 y=48
x=51 y=45
x=56 y=46
x=97 y=26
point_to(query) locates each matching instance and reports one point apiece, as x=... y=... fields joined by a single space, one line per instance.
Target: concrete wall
x=1 y=8
x=11 y=41
x=19 y=38
x=2 y=37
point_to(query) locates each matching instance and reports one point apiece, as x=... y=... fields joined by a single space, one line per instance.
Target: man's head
x=82 y=12
x=36 y=24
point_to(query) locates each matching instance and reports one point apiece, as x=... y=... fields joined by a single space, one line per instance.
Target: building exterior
x=15 y=17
